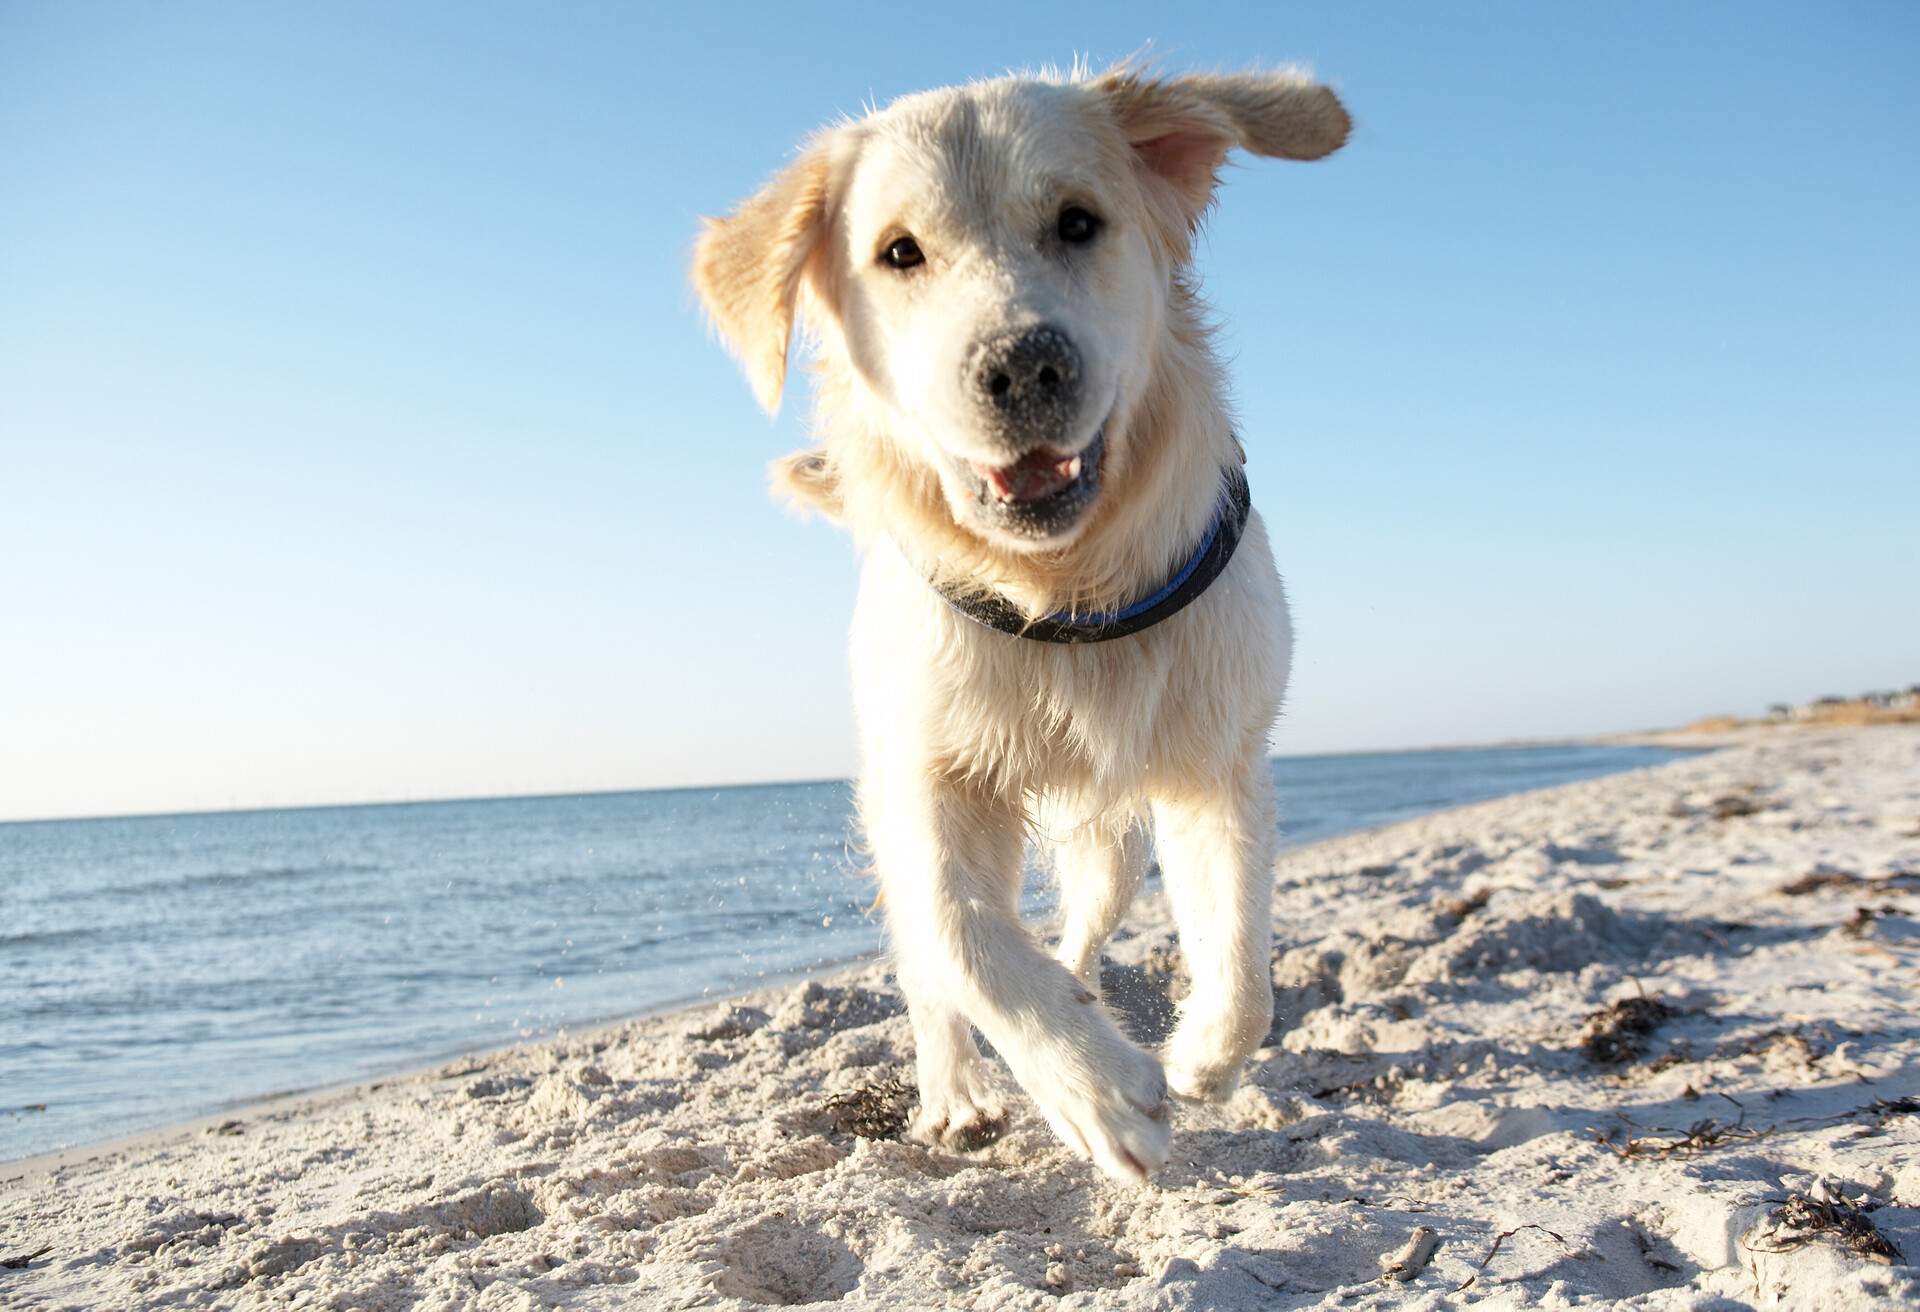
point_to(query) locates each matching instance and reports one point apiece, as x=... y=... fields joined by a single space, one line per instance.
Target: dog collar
x=1194 y=577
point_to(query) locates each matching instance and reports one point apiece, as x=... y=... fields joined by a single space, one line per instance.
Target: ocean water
x=158 y=968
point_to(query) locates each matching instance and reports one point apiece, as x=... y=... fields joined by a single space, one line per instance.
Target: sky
x=361 y=440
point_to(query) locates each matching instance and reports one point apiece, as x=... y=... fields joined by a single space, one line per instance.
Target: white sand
x=1424 y=1094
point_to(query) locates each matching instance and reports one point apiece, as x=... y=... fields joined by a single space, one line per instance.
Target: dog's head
x=989 y=269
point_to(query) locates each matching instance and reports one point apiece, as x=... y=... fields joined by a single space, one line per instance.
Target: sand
x=1648 y=1039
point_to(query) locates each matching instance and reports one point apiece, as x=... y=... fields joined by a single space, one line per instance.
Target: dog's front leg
x=948 y=853
x=958 y=1107
x=1216 y=847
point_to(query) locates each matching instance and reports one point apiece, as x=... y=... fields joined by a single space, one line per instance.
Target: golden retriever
x=1021 y=416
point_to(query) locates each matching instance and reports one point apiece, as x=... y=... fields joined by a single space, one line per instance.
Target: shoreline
x=1455 y=1050
x=37 y=1167
x=257 y=1087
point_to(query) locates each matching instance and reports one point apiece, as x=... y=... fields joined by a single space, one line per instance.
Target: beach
x=163 y=968
x=1646 y=1038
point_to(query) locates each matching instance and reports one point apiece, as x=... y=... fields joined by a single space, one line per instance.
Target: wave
x=45 y=937
x=232 y=878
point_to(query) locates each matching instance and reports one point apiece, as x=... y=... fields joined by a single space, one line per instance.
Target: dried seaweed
x=1704 y=1134
x=1502 y=1238
x=1883 y=1110
x=25 y=1259
x=876 y=1111
x=1863 y=918
x=1614 y=1035
x=1875 y=1114
x=1678 y=1055
x=1802 y=1219
x=1815 y=881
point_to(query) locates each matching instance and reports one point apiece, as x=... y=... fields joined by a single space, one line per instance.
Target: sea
x=154 y=969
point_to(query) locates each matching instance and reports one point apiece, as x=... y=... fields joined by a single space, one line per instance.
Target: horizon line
x=1595 y=739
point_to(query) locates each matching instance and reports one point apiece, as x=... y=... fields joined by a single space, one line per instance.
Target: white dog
x=1069 y=623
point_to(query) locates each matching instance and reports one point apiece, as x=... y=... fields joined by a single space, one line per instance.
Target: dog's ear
x=747 y=268
x=807 y=481
x=1182 y=127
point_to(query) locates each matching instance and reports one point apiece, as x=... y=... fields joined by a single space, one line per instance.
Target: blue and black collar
x=1188 y=582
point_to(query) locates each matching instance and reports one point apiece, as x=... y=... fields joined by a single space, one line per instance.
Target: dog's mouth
x=1041 y=473
x=1043 y=493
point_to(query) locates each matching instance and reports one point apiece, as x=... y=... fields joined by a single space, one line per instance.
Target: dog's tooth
x=1071 y=469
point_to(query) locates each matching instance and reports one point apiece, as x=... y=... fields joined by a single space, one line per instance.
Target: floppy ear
x=747 y=268
x=1181 y=128
x=807 y=480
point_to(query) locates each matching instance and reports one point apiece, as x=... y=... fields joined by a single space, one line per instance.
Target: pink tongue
x=1035 y=475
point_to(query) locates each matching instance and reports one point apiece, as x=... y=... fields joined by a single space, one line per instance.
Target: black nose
x=1029 y=378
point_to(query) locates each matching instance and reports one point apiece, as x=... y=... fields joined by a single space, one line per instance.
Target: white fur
x=972 y=739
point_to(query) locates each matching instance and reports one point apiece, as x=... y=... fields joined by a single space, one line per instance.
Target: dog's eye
x=902 y=253
x=1076 y=226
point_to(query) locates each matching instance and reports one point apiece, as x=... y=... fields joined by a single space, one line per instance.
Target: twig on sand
x=24 y=1259
x=1411 y=1258
x=1502 y=1238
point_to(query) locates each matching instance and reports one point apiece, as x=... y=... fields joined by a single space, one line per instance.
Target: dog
x=1069 y=623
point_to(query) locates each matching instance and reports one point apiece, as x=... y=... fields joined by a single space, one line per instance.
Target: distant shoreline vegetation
x=1864 y=708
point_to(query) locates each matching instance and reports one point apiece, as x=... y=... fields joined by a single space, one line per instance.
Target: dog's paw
x=1203 y=1080
x=959 y=1130
x=1115 y=1112
x=959 y=1119
x=1206 y=1053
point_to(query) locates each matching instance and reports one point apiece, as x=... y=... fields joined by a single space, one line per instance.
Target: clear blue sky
x=360 y=439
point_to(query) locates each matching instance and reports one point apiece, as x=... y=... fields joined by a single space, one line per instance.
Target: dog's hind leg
x=948 y=852
x=1098 y=872
x=1216 y=847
